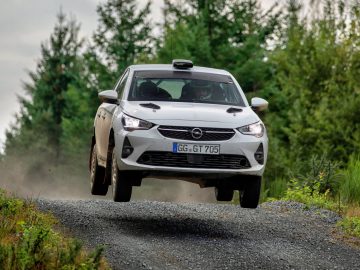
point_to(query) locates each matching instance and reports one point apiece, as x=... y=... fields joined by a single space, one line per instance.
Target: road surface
x=163 y=235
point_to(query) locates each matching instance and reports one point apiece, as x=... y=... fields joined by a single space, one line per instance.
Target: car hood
x=199 y=114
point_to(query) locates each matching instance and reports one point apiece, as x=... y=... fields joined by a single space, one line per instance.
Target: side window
x=121 y=85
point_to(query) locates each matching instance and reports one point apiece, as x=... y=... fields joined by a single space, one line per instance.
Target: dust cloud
x=170 y=190
x=37 y=177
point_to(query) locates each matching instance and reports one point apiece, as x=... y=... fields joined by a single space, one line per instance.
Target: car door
x=99 y=132
x=98 y=123
x=109 y=110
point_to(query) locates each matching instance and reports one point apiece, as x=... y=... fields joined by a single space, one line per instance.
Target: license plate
x=210 y=149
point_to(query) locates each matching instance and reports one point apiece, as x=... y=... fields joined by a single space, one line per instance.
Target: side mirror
x=259 y=104
x=109 y=96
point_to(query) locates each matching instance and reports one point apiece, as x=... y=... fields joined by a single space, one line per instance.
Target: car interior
x=151 y=90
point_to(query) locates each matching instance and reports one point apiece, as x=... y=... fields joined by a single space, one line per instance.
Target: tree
x=123 y=35
x=39 y=124
x=185 y=42
x=226 y=34
x=314 y=96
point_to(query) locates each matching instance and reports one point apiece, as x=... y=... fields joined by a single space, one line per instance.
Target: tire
x=97 y=176
x=250 y=195
x=121 y=186
x=224 y=194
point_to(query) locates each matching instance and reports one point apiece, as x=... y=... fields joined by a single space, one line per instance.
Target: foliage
x=314 y=96
x=309 y=195
x=123 y=34
x=55 y=122
x=28 y=240
x=351 y=225
x=313 y=196
x=39 y=124
x=77 y=122
x=224 y=34
x=277 y=188
x=321 y=171
x=185 y=42
x=350 y=187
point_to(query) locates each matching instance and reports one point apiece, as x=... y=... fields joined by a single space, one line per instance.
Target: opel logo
x=196 y=133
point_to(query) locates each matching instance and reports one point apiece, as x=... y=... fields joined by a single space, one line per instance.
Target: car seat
x=163 y=94
x=187 y=92
x=148 y=89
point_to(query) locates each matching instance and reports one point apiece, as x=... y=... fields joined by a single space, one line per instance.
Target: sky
x=24 y=25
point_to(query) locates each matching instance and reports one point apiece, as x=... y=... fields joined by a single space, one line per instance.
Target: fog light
x=259 y=154
x=127 y=148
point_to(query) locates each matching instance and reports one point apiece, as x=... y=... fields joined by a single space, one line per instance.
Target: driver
x=201 y=89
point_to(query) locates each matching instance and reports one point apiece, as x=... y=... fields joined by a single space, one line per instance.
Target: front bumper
x=151 y=140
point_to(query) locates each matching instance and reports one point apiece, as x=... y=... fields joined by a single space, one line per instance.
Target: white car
x=183 y=122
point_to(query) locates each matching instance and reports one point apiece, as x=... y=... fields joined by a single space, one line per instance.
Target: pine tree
x=39 y=124
x=225 y=34
x=123 y=35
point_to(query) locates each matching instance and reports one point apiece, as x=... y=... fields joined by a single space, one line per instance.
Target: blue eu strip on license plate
x=175 y=147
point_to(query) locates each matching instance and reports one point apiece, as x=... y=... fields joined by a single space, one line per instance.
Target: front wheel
x=250 y=194
x=97 y=176
x=121 y=187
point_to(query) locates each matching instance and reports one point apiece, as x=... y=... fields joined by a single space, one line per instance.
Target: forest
x=303 y=59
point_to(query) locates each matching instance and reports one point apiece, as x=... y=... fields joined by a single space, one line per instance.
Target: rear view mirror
x=109 y=96
x=259 y=104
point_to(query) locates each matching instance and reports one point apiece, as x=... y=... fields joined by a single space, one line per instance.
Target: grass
x=350 y=194
x=28 y=240
x=277 y=188
x=350 y=187
x=350 y=225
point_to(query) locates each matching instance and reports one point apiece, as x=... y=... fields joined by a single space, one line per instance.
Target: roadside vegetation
x=28 y=240
x=337 y=190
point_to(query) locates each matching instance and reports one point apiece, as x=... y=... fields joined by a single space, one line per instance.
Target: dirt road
x=159 y=235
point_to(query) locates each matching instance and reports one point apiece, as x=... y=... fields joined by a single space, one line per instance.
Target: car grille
x=185 y=133
x=169 y=159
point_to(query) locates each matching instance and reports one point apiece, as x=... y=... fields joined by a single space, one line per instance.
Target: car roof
x=170 y=67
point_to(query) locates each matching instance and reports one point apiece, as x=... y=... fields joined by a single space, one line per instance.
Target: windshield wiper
x=150 y=106
x=233 y=110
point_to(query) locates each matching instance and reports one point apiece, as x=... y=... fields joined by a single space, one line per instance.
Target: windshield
x=176 y=86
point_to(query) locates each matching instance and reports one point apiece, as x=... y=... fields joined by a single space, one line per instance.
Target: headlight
x=131 y=123
x=256 y=130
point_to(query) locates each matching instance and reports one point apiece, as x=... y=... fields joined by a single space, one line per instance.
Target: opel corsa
x=183 y=122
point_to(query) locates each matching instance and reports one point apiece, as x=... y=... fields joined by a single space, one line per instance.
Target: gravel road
x=163 y=235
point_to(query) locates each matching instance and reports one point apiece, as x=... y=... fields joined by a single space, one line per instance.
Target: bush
x=28 y=241
x=322 y=171
x=310 y=195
